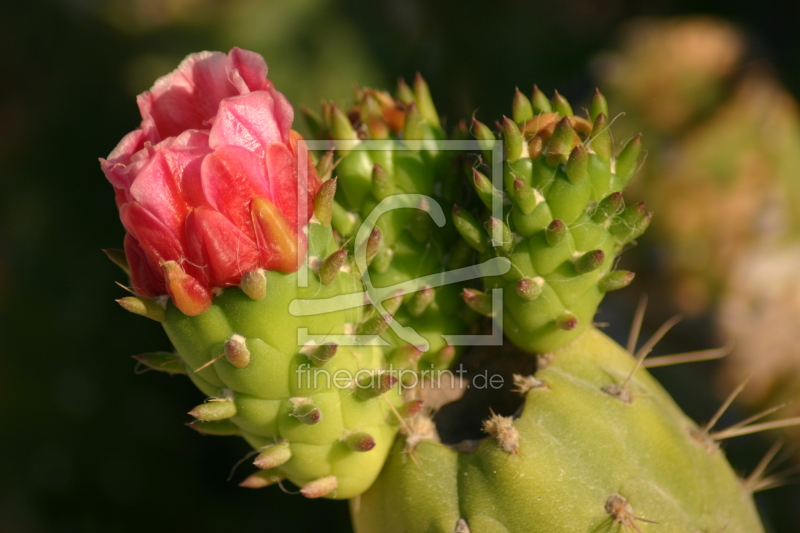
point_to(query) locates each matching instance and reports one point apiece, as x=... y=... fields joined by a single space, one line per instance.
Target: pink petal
x=187 y=97
x=248 y=121
x=284 y=112
x=283 y=181
x=247 y=70
x=215 y=242
x=191 y=147
x=129 y=145
x=169 y=184
x=157 y=190
x=312 y=179
x=157 y=241
x=145 y=280
x=231 y=176
x=115 y=166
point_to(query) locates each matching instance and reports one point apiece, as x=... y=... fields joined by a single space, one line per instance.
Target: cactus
x=220 y=248
x=598 y=444
x=326 y=436
x=247 y=261
x=566 y=223
x=410 y=244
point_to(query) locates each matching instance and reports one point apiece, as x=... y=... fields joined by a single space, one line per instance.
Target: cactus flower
x=207 y=187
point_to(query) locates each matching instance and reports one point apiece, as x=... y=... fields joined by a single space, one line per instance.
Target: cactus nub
x=360 y=441
x=561 y=143
x=469 y=228
x=478 y=301
x=236 y=351
x=530 y=288
x=375 y=384
x=561 y=105
x=522 y=108
x=540 y=102
x=320 y=487
x=420 y=301
x=589 y=261
x=320 y=355
x=555 y=232
x=374 y=325
x=273 y=456
x=578 y=165
x=262 y=479
x=331 y=266
x=525 y=197
x=323 y=202
x=214 y=410
x=613 y=281
x=143 y=306
x=254 y=284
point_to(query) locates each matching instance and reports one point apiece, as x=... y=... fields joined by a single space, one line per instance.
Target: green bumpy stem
x=280 y=396
x=585 y=461
x=411 y=245
x=564 y=225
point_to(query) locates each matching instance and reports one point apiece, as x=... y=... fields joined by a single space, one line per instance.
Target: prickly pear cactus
x=597 y=446
x=387 y=172
x=566 y=221
x=328 y=436
x=217 y=200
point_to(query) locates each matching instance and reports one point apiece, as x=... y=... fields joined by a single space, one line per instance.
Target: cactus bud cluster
x=566 y=220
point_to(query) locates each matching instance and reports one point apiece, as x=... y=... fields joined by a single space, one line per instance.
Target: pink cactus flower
x=207 y=187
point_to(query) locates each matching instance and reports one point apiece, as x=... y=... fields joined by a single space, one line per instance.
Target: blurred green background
x=86 y=444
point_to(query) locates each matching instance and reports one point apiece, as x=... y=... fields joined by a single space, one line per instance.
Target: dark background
x=86 y=445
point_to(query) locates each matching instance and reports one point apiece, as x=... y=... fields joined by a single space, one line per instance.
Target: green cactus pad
x=565 y=221
x=575 y=459
x=300 y=408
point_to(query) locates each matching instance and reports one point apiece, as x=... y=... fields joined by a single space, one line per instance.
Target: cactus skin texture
x=576 y=459
x=567 y=221
x=411 y=245
x=330 y=430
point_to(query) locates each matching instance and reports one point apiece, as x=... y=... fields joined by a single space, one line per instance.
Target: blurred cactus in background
x=724 y=166
x=669 y=71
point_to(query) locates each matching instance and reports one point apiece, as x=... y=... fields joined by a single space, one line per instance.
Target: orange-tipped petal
x=281 y=249
x=187 y=293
